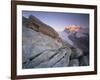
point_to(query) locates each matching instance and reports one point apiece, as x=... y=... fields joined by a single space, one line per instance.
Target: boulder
x=76 y=53
x=84 y=60
x=74 y=62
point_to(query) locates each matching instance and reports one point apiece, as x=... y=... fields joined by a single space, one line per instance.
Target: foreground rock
x=76 y=53
x=41 y=50
x=84 y=60
x=74 y=62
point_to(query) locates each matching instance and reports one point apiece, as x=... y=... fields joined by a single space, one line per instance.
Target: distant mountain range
x=76 y=36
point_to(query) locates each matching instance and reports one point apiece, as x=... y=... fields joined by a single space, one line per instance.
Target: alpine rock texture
x=43 y=47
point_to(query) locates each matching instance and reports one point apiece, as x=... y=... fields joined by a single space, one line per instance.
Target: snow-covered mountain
x=65 y=36
x=76 y=36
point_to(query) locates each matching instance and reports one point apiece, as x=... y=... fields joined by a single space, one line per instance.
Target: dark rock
x=84 y=61
x=74 y=62
x=76 y=53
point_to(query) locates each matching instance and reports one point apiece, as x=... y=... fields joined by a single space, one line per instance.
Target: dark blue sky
x=59 y=20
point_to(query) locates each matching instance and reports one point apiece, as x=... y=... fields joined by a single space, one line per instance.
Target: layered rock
x=37 y=25
x=41 y=50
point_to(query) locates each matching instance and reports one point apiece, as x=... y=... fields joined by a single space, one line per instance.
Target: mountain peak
x=72 y=28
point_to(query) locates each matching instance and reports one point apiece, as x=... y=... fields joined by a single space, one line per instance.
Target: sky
x=59 y=20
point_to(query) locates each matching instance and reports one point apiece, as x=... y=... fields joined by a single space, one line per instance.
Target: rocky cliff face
x=42 y=47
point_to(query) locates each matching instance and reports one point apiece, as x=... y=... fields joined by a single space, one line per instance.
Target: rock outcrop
x=35 y=24
x=41 y=50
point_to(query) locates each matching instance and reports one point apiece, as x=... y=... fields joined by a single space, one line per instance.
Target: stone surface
x=40 y=50
x=76 y=53
x=74 y=62
x=84 y=60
